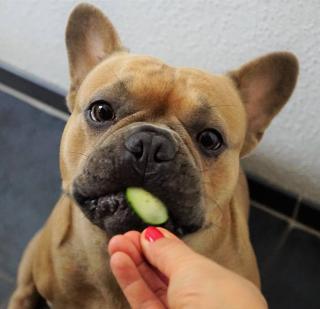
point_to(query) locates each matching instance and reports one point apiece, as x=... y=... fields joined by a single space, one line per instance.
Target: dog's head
x=177 y=132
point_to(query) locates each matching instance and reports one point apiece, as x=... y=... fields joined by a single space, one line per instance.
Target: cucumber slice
x=148 y=207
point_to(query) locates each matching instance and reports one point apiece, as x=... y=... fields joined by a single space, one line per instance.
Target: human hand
x=157 y=270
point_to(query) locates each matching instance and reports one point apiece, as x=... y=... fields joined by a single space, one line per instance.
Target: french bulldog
x=179 y=133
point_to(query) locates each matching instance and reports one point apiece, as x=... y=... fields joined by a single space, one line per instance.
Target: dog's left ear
x=265 y=85
x=90 y=37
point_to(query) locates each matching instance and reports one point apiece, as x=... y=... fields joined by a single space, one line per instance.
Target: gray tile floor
x=288 y=259
x=29 y=179
x=30 y=185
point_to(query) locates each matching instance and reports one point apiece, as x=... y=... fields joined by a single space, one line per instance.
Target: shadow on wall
x=283 y=175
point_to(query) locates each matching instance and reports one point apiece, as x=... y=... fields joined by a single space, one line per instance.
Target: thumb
x=165 y=251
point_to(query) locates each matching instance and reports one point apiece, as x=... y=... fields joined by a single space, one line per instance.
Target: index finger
x=135 y=289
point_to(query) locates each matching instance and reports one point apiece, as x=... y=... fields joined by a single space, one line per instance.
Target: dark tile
x=271 y=196
x=266 y=232
x=309 y=214
x=29 y=178
x=6 y=289
x=293 y=281
x=32 y=88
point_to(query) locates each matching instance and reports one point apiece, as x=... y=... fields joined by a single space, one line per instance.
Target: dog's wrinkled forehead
x=142 y=80
x=146 y=83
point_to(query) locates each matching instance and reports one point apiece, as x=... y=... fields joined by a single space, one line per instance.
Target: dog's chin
x=112 y=214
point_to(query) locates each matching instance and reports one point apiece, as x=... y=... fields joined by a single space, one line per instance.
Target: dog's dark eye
x=101 y=111
x=210 y=140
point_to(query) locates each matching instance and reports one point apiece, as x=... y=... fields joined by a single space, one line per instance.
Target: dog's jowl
x=177 y=132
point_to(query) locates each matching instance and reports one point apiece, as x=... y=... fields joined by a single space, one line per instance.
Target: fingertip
x=119 y=260
x=132 y=234
x=115 y=261
x=123 y=268
x=114 y=244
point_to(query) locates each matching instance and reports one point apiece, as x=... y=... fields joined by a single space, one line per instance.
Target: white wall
x=213 y=35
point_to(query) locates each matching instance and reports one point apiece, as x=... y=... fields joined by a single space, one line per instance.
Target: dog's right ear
x=265 y=85
x=90 y=38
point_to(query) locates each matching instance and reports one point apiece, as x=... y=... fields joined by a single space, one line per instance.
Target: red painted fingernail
x=152 y=234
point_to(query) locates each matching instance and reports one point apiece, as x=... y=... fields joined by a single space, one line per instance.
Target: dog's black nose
x=149 y=145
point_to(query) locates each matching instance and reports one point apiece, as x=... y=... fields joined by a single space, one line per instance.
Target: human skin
x=157 y=270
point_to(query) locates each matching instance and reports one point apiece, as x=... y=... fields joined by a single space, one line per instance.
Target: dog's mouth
x=148 y=157
x=112 y=213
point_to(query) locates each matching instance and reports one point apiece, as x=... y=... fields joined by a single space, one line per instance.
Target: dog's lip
x=106 y=203
x=109 y=204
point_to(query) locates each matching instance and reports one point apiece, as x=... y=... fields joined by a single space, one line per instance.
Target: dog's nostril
x=158 y=156
x=137 y=150
x=151 y=147
x=135 y=146
x=163 y=149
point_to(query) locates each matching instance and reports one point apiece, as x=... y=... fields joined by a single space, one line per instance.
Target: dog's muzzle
x=142 y=155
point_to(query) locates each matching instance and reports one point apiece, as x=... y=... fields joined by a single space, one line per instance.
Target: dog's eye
x=101 y=111
x=210 y=140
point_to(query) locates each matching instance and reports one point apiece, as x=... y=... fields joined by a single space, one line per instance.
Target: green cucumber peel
x=147 y=207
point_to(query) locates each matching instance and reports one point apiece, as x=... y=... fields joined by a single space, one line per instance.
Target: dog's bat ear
x=265 y=85
x=90 y=38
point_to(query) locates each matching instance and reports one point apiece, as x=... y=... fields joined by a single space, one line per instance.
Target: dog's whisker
x=216 y=225
x=212 y=200
x=220 y=105
x=209 y=182
x=217 y=205
x=78 y=153
x=218 y=219
x=203 y=170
